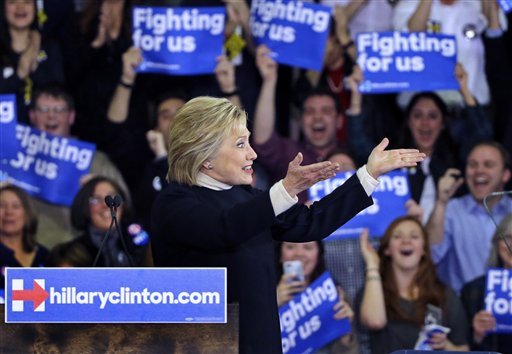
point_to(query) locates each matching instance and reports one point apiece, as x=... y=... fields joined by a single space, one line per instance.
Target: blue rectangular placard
x=295 y=31
x=498 y=298
x=115 y=295
x=47 y=166
x=180 y=40
x=307 y=320
x=388 y=203
x=406 y=61
x=506 y=5
x=8 y=120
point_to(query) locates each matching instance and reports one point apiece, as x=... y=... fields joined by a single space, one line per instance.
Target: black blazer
x=199 y=227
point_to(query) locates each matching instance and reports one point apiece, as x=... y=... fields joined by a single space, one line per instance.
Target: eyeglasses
x=95 y=200
x=55 y=110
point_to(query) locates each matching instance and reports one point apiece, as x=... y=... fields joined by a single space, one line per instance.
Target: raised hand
x=414 y=209
x=28 y=59
x=156 y=143
x=266 y=65
x=382 y=161
x=225 y=74
x=448 y=184
x=131 y=60
x=370 y=256
x=287 y=288
x=299 y=178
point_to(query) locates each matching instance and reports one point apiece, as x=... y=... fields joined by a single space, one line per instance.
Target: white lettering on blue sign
x=7 y=111
x=188 y=20
x=55 y=147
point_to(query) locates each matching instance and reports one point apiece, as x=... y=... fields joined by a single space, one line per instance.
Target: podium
x=182 y=338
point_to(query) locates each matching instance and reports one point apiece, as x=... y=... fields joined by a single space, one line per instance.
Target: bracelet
x=229 y=94
x=370 y=269
x=125 y=85
x=373 y=277
x=348 y=45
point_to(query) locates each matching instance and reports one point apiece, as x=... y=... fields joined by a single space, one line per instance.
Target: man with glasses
x=53 y=111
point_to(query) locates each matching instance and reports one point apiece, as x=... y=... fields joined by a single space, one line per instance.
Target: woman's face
x=100 y=213
x=233 y=163
x=19 y=13
x=406 y=245
x=12 y=214
x=425 y=122
x=503 y=252
x=306 y=252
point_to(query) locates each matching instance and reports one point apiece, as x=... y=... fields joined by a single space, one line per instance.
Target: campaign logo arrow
x=37 y=295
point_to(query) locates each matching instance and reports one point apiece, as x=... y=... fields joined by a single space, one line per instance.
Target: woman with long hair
x=18 y=227
x=401 y=286
x=27 y=59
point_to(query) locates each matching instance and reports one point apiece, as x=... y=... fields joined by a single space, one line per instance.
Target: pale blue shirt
x=468 y=230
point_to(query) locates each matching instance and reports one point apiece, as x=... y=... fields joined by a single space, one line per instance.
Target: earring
x=209 y=166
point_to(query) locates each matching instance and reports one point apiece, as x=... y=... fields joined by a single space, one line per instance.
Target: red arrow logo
x=36 y=295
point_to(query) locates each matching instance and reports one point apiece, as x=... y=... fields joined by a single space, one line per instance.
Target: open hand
x=382 y=161
x=299 y=178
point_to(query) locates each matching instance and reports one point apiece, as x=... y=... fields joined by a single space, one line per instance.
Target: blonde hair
x=196 y=134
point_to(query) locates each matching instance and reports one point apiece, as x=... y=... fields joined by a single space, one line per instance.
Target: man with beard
x=320 y=120
x=460 y=230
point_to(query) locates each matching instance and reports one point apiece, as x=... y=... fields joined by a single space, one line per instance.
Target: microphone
x=113 y=203
x=486 y=207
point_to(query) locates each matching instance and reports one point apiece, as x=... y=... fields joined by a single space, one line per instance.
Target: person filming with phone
x=301 y=264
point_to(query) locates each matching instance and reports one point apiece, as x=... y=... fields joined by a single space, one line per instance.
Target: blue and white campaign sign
x=412 y=61
x=47 y=166
x=180 y=40
x=506 y=5
x=307 y=320
x=295 y=31
x=498 y=298
x=8 y=121
x=388 y=203
x=82 y=295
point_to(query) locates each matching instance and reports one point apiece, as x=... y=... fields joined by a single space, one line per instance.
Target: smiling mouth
x=406 y=252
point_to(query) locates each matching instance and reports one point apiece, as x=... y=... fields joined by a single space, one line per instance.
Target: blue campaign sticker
x=506 y=5
x=290 y=29
x=307 y=320
x=406 y=61
x=498 y=298
x=115 y=295
x=388 y=203
x=47 y=166
x=8 y=121
x=180 y=40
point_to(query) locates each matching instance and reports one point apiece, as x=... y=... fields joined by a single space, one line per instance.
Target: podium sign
x=115 y=295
